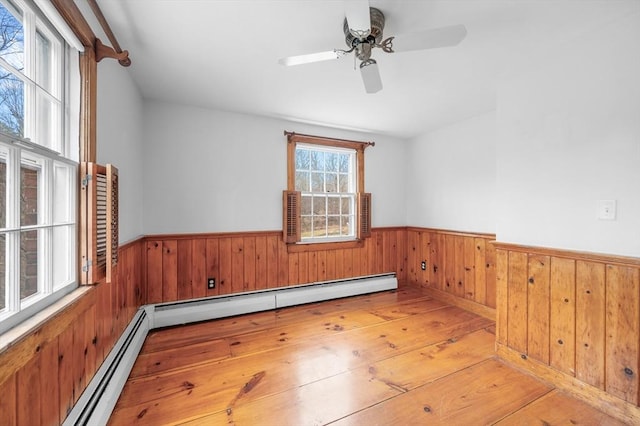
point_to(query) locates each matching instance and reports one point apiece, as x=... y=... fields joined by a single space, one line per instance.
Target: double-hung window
x=325 y=201
x=38 y=165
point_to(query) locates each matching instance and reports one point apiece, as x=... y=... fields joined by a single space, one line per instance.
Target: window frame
x=49 y=148
x=293 y=140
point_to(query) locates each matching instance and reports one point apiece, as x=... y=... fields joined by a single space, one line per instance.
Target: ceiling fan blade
x=371 y=76
x=358 y=17
x=430 y=39
x=309 y=58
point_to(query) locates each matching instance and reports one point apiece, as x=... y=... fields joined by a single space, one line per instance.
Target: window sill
x=27 y=327
x=336 y=245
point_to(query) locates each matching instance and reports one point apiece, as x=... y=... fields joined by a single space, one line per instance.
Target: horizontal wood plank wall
x=44 y=374
x=460 y=267
x=178 y=266
x=577 y=314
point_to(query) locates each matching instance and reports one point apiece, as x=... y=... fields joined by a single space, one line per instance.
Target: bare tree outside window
x=11 y=87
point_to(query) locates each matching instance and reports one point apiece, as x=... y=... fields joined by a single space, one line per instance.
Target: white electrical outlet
x=607 y=209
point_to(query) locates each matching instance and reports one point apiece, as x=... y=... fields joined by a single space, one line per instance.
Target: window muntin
x=38 y=180
x=326 y=179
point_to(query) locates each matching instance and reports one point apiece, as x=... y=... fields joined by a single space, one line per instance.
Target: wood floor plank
x=179 y=393
x=395 y=357
x=556 y=408
x=204 y=331
x=424 y=365
x=210 y=388
x=481 y=394
x=339 y=395
x=173 y=358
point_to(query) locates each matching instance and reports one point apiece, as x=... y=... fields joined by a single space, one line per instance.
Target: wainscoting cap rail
x=571 y=254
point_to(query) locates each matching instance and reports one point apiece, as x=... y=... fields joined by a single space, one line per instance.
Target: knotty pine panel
x=260 y=260
x=44 y=373
x=590 y=322
x=462 y=265
x=562 y=311
x=538 y=307
x=582 y=316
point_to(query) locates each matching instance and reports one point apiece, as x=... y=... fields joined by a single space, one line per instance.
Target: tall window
x=37 y=165
x=325 y=201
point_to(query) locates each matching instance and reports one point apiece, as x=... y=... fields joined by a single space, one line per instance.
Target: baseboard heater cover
x=101 y=395
x=95 y=405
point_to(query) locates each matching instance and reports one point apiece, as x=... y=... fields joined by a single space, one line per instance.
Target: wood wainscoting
x=178 y=266
x=573 y=318
x=44 y=373
x=460 y=267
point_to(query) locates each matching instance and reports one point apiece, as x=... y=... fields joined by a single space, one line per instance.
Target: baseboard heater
x=99 y=398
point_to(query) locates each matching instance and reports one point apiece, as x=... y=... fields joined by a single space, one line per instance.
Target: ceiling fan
x=363 y=27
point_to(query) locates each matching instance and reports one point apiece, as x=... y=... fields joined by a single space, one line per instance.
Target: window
x=324 y=200
x=38 y=166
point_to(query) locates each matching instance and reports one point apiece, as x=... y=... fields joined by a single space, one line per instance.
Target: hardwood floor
x=382 y=359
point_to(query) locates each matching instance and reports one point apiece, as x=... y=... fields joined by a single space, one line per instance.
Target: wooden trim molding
x=570 y=254
x=453 y=232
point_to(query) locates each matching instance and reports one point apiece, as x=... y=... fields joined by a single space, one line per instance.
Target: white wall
x=451 y=176
x=569 y=135
x=119 y=140
x=215 y=171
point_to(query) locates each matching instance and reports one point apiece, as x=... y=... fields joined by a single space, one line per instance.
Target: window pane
x=3 y=268
x=317 y=182
x=306 y=230
x=302 y=181
x=305 y=208
x=46 y=123
x=11 y=38
x=320 y=226
x=333 y=205
x=332 y=182
x=62 y=261
x=333 y=226
x=344 y=182
x=317 y=160
x=347 y=225
x=331 y=162
x=302 y=159
x=319 y=205
x=3 y=191
x=11 y=104
x=28 y=263
x=62 y=180
x=345 y=207
x=344 y=163
x=28 y=196
x=44 y=62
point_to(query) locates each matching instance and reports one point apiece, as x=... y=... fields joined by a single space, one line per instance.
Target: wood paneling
x=457 y=264
x=260 y=260
x=576 y=316
x=43 y=374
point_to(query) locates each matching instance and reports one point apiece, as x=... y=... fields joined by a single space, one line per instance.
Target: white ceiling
x=224 y=55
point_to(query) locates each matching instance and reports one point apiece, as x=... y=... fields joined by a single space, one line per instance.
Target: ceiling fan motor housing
x=374 y=37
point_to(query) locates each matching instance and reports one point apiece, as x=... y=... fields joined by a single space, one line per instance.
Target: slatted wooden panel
x=581 y=315
x=460 y=264
x=260 y=260
x=44 y=374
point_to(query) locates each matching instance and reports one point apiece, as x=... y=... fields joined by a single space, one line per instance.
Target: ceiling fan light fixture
x=353 y=36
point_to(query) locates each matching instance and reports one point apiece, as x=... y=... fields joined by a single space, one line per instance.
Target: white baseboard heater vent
x=99 y=398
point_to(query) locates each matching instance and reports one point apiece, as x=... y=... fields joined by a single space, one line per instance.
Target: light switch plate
x=607 y=209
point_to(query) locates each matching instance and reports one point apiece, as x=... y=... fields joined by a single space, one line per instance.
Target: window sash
x=293 y=214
